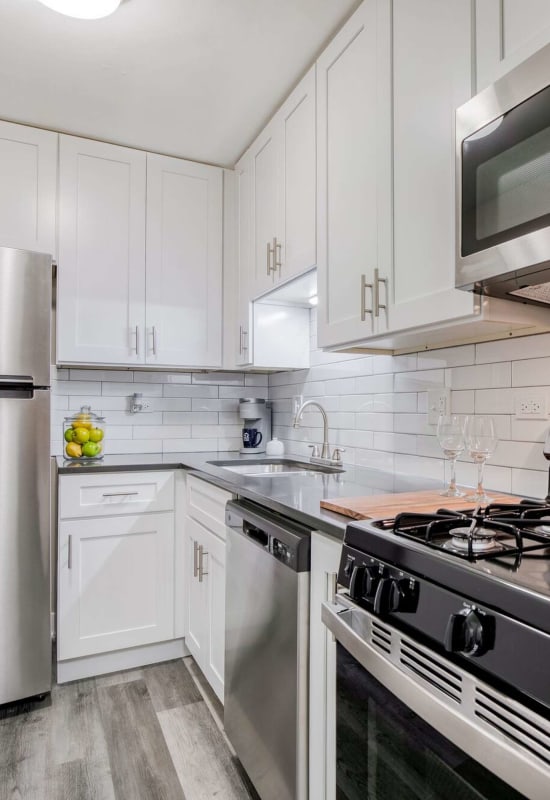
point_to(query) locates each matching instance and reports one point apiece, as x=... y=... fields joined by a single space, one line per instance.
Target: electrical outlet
x=439 y=402
x=531 y=405
x=140 y=404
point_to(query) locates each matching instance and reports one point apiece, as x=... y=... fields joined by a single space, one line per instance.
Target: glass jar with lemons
x=84 y=435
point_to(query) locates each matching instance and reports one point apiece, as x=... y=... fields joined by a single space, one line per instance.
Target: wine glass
x=481 y=442
x=450 y=434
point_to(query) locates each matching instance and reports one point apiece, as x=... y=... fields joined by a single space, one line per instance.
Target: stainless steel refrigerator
x=25 y=319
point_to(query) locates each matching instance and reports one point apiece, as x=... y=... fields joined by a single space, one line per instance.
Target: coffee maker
x=256 y=416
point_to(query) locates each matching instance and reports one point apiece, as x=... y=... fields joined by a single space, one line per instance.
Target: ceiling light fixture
x=83 y=9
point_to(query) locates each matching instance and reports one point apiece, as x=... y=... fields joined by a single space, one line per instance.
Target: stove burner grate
x=498 y=530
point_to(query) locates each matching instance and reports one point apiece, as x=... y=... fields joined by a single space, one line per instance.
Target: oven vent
x=514 y=722
x=381 y=636
x=432 y=669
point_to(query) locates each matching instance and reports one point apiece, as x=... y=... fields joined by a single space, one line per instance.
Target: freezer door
x=25 y=646
x=25 y=312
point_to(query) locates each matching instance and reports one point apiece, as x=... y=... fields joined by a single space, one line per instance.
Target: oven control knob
x=469 y=632
x=356 y=583
x=402 y=595
x=372 y=579
x=382 y=596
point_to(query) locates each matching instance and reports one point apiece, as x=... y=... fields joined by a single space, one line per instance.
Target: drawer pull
x=70 y=553
x=118 y=494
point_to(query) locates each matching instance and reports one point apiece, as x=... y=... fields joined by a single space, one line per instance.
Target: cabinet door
x=265 y=154
x=354 y=175
x=28 y=166
x=325 y=560
x=196 y=628
x=426 y=92
x=184 y=263
x=245 y=255
x=298 y=153
x=508 y=32
x=101 y=273
x=116 y=583
x=214 y=566
x=205 y=585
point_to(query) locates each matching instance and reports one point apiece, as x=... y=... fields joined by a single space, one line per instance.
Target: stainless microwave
x=503 y=186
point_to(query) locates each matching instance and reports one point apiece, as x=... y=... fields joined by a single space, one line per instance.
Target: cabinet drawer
x=206 y=504
x=115 y=493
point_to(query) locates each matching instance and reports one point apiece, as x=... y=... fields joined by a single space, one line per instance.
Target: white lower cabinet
x=205 y=579
x=116 y=583
x=120 y=573
x=325 y=559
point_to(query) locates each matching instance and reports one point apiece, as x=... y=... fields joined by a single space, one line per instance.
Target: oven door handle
x=338 y=619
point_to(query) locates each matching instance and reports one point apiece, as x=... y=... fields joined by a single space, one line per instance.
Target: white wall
x=377 y=408
x=190 y=411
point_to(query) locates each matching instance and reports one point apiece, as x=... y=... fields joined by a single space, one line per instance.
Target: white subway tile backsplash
x=530 y=430
x=530 y=483
x=181 y=390
x=513 y=349
x=494 y=401
x=448 y=357
x=126 y=376
x=218 y=378
x=120 y=389
x=419 y=381
x=190 y=418
x=531 y=372
x=84 y=388
x=486 y=376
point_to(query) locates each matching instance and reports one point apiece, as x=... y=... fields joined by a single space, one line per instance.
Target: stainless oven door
x=411 y=726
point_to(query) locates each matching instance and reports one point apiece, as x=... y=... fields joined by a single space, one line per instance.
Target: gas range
x=474 y=585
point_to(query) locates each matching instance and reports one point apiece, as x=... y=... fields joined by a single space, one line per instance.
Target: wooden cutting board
x=388 y=505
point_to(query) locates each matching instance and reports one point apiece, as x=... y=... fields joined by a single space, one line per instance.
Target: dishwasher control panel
x=281 y=551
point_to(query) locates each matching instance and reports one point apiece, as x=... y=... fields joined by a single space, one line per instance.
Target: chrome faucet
x=298 y=417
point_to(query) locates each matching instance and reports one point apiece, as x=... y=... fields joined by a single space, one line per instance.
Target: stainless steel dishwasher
x=266 y=648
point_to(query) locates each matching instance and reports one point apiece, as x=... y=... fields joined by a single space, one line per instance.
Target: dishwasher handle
x=255 y=533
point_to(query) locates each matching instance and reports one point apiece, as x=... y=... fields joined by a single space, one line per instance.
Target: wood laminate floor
x=154 y=733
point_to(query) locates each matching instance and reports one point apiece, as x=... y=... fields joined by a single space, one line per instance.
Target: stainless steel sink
x=274 y=468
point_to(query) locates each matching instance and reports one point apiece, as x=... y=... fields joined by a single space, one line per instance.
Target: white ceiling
x=191 y=78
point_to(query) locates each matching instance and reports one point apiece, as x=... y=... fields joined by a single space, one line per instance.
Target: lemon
x=73 y=450
x=81 y=421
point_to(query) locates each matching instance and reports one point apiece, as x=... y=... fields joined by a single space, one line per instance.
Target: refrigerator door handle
x=15 y=381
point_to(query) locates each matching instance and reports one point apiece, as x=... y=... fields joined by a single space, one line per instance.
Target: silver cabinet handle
x=136 y=334
x=243 y=344
x=277 y=249
x=376 y=292
x=269 y=253
x=202 y=553
x=70 y=553
x=154 y=332
x=118 y=494
x=331 y=579
x=364 y=287
x=195 y=558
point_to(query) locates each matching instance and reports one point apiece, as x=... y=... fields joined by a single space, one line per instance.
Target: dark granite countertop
x=294 y=496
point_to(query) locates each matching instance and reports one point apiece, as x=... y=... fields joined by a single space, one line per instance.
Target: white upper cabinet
x=28 y=166
x=184 y=263
x=101 y=272
x=508 y=32
x=266 y=207
x=120 y=301
x=283 y=206
x=354 y=177
x=432 y=75
x=298 y=231
x=245 y=256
